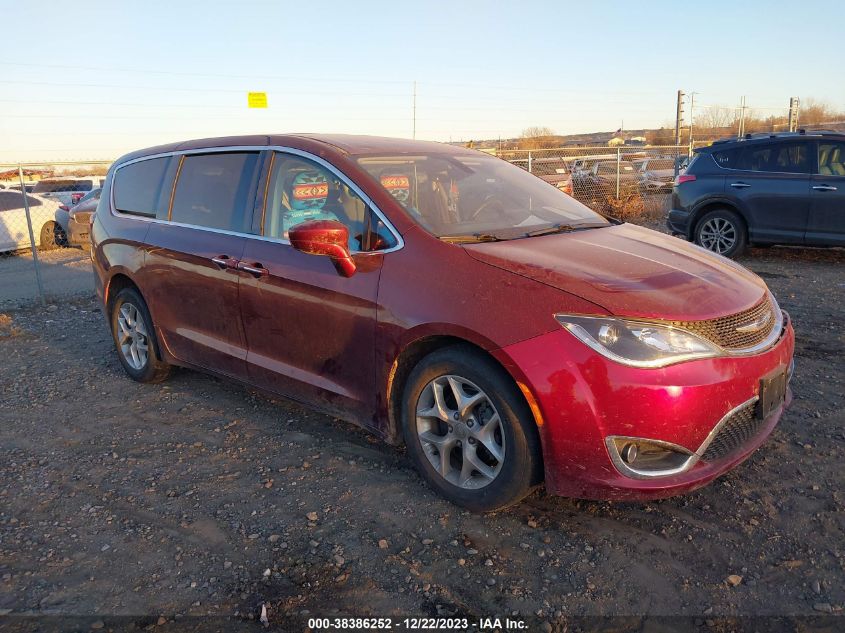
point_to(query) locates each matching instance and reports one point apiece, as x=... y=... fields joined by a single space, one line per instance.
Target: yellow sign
x=256 y=99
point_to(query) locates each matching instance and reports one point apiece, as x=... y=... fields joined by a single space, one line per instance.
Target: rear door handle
x=740 y=185
x=824 y=188
x=257 y=269
x=224 y=261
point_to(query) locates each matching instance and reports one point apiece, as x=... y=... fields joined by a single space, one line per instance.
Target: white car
x=14 y=233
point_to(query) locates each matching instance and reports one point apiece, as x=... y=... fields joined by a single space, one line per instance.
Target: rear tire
x=723 y=232
x=52 y=236
x=476 y=443
x=134 y=338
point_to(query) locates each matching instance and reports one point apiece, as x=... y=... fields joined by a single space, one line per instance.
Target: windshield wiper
x=561 y=228
x=557 y=228
x=471 y=238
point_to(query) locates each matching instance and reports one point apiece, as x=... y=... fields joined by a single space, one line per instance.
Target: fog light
x=643 y=458
x=629 y=453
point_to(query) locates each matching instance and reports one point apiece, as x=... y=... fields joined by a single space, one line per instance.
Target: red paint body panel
x=303 y=330
x=631 y=271
x=585 y=397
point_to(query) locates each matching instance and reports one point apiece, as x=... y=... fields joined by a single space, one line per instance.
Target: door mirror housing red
x=329 y=238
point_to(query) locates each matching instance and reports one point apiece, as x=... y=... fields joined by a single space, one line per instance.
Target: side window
x=832 y=158
x=216 y=191
x=777 y=157
x=12 y=201
x=138 y=188
x=300 y=190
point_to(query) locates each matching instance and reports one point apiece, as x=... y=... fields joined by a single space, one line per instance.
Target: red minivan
x=444 y=299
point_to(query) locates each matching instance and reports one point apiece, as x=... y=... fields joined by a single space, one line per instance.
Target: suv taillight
x=682 y=178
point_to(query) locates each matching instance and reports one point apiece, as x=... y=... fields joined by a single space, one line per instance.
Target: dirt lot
x=196 y=497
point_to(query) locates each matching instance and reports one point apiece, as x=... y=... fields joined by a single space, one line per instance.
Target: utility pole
x=679 y=117
x=691 y=116
x=794 y=105
x=414 y=132
x=741 y=130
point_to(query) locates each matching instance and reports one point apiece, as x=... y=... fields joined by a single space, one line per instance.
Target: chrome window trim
x=400 y=242
x=692 y=460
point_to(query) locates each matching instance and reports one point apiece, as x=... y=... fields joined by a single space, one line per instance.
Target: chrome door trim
x=400 y=242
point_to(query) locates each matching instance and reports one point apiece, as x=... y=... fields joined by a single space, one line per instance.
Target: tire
x=499 y=419
x=52 y=236
x=723 y=232
x=128 y=312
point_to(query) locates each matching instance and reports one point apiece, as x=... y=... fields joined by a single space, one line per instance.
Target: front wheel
x=722 y=232
x=468 y=430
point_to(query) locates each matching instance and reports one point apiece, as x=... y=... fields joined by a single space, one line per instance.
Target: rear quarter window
x=138 y=187
x=727 y=158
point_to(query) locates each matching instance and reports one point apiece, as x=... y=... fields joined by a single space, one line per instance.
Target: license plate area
x=772 y=393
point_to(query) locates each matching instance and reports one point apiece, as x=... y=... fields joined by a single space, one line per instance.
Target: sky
x=88 y=80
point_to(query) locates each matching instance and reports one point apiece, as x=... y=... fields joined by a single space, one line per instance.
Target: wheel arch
x=417 y=349
x=713 y=205
x=117 y=282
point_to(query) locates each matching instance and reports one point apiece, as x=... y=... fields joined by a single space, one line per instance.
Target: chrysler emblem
x=755 y=326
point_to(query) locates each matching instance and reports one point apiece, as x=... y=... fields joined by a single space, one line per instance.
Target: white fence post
x=618 y=168
x=529 y=162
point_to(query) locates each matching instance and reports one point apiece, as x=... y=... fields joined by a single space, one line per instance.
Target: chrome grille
x=736 y=431
x=723 y=331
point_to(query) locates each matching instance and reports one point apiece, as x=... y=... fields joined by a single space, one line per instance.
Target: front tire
x=134 y=338
x=468 y=430
x=723 y=232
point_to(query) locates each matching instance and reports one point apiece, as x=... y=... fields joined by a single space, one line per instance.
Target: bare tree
x=537 y=137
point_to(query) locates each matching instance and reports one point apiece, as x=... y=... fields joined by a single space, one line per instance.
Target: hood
x=630 y=271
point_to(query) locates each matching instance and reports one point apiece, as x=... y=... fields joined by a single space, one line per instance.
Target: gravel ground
x=65 y=272
x=198 y=497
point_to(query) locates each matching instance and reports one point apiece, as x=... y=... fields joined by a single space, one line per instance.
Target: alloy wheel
x=132 y=336
x=718 y=235
x=460 y=432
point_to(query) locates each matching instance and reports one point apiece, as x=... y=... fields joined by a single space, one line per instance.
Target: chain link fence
x=45 y=212
x=625 y=181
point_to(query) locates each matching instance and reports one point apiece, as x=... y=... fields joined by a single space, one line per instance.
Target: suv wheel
x=134 y=338
x=722 y=232
x=469 y=432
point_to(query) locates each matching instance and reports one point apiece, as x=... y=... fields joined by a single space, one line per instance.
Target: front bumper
x=582 y=398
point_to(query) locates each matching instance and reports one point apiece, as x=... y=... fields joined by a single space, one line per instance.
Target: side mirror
x=324 y=237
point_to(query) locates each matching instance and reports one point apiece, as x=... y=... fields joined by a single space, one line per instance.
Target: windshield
x=469 y=195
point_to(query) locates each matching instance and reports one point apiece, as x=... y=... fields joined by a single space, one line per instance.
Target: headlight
x=638 y=343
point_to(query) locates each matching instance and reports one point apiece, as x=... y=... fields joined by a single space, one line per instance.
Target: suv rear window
x=213 y=190
x=137 y=187
x=726 y=158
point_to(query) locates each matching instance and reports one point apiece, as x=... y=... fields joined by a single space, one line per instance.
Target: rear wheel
x=468 y=430
x=134 y=338
x=723 y=232
x=52 y=236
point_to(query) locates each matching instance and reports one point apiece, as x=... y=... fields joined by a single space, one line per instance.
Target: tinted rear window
x=138 y=187
x=60 y=186
x=214 y=190
x=726 y=158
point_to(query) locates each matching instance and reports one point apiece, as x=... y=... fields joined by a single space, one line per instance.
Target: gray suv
x=762 y=190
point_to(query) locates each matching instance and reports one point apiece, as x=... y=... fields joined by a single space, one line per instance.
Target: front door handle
x=824 y=188
x=255 y=269
x=740 y=185
x=224 y=261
